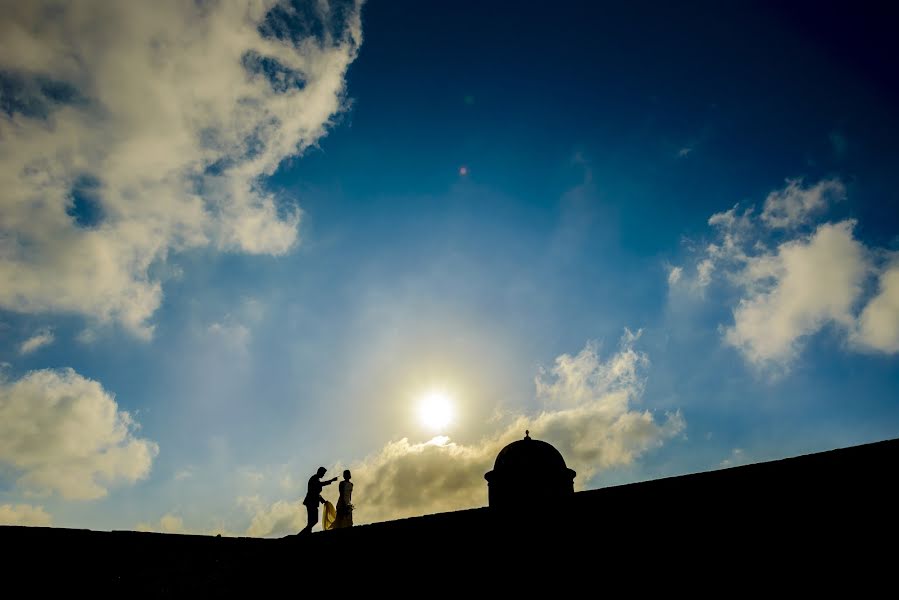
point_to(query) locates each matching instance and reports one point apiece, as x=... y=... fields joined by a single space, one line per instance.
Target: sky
x=239 y=241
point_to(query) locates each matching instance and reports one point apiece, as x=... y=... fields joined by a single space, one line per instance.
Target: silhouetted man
x=314 y=498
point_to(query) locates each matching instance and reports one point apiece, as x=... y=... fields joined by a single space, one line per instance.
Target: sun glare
x=435 y=410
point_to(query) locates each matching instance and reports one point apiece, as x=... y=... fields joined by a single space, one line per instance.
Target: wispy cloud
x=135 y=131
x=183 y=474
x=43 y=337
x=796 y=204
x=674 y=275
x=231 y=334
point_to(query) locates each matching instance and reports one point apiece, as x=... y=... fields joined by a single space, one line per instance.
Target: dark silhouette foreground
x=824 y=522
x=314 y=498
x=345 y=502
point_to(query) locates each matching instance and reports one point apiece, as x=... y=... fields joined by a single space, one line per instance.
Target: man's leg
x=311 y=519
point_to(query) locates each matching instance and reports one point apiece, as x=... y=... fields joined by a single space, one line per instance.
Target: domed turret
x=528 y=472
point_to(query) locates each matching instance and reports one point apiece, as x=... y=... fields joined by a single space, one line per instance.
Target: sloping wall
x=814 y=521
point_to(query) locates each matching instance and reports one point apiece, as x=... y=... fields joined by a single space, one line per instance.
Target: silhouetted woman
x=345 y=503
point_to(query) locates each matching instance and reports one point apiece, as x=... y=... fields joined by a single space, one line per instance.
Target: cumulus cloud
x=24 y=514
x=62 y=432
x=589 y=416
x=281 y=518
x=168 y=523
x=133 y=130
x=43 y=337
x=793 y=277
x=795 y=291
x=878 y=324
x=794 y=205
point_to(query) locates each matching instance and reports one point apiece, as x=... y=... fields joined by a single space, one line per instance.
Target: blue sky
x=664 y=239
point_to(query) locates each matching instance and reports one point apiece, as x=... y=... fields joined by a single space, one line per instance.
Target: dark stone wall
x=825 y=522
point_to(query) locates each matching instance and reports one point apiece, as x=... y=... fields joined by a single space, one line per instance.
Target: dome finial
x=527 y=434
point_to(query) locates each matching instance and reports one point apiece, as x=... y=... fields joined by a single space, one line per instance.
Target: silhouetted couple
x=314 y=498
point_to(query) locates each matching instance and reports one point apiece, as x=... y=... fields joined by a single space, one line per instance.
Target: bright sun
x=435 y=409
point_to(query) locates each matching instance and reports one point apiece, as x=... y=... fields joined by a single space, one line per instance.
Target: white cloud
x=878 y=324
x=795 y=204
x=733 y=227
x=43 y=337
x=286 y=482
x=791 y=290
x=793 y=293
x=704 y=271
x=674 y=275
x=24 y=514
x=168 y=523
x=142 y=129
x=62 y=432
x=281 y=518
x=589 y=417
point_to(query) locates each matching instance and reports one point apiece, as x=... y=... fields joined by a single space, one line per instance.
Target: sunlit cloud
x=796 y=204
x=174 y=523
x=793 y=292
x=61 y=432
x=789 y=288
x=135 y=131
x=24 y=514
x=168 y=523
x=878 y=323
x=281 y=518
x=589 y=415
